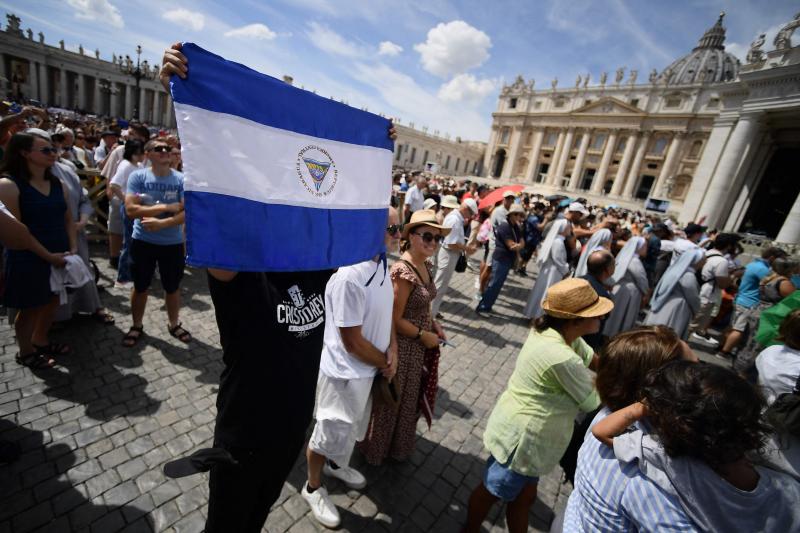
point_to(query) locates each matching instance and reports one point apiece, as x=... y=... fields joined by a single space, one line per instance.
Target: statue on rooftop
x=578 y=81
x=531 y=84
x=13 y=24
x=603 y=78
x=783 y=40
x=633 y=76
x=41 y=38
x=620 y=74
x=756 y=54
x=30 y=34
x=80 y=49
x=97 y=53
x=61 y=44
x=114 y=59
x=586 y=80
x=653 y=76
x=554 y=83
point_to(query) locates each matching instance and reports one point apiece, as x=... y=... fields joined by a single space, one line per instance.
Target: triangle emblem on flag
x=318 y=170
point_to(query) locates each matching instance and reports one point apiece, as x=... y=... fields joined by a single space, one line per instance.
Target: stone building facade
x=419 y=150
x=57 y=77
x=614 y=140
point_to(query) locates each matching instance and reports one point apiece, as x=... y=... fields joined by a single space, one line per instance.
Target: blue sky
x=436 y=63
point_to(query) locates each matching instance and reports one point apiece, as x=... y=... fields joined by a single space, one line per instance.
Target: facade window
x=512 y=103
x=413 y=155
x=658 y=146
x=635 y=102
x=466 y=166
x=559 y=103
x=537 y=105
x=529 y=138
x=587 y=102
x=713 y=103
x=405 y=147
x=475 y=167
x=425 y=157
x=550 y=139
x=458 y=163
x=672 y=102
x=505 y=133
x=447 y=162
x=399 y=151
x=598 y=141
x=621 y=144
x=694 y=151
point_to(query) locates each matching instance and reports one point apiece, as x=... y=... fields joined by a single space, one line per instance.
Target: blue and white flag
x=277 y=178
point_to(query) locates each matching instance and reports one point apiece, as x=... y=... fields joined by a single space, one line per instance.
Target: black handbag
x=784 y=413
x=461 y=264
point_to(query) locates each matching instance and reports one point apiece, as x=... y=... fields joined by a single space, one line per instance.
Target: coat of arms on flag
x=317 y=164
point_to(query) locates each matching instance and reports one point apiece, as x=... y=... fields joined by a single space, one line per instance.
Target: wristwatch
x=419 y=335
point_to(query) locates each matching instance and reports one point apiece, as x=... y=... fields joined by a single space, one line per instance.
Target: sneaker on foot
x=123 y=285
x=350 y=476
x=321 y=506
x=707 y=341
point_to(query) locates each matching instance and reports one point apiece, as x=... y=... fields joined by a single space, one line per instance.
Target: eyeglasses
x=48 y=150
x=162 y=149
x=430 y=237
x=394 y=228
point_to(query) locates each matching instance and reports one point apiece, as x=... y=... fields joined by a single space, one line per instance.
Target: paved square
x=96 y=430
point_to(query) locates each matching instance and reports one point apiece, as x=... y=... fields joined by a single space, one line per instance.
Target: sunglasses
x=162 y=149
x=394 y=228
x=48 y=150
x=430 y=237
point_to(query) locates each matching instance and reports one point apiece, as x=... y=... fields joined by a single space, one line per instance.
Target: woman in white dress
x=630 y=287
x=676 y=298
x=553 y=266
x=601 y=239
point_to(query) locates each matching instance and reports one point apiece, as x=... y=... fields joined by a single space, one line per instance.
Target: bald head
x=600 y=264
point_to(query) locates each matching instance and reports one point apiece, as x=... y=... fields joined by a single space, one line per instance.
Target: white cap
x=472 y=204
x=508 y=194
x=429 y=203
x=577 y=206
x=39 y=132
x=449 y=201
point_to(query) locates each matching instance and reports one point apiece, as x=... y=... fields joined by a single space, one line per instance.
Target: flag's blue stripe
x=245 y=235
x=216 y=84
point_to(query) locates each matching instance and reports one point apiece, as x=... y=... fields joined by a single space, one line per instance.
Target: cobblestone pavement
x=96 y=430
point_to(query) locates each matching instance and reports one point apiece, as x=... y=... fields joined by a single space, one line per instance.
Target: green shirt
x=533 y=417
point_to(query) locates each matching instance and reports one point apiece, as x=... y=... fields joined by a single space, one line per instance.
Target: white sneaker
x=123 y=285
x=321 y=506
x=707 y=341
x=351 y=477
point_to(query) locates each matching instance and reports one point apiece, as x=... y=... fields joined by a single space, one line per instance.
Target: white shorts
x=342 y=413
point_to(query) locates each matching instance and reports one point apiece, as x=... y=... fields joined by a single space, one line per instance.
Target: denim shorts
x=503 y=482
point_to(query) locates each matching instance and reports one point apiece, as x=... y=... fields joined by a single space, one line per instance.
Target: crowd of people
x=606 y=383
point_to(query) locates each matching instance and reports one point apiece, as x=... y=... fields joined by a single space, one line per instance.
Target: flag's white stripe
x=257 y=162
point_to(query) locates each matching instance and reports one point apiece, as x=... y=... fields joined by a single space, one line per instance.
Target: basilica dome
x=708 y=62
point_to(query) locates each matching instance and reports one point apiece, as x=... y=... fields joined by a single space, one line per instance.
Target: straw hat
x=423 y=217
x=516 y=208
x=575 y=298
x=449 y=201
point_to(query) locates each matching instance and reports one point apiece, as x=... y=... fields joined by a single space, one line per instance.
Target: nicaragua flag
x=277 y=178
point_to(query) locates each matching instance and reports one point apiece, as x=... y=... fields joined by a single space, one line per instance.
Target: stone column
x=170 y=120
x=622 y=171
x=157 y=120
x=533 y=162
x=577 y=170
x=551 y=171
x=64 y=88
x=44 y=92
x=670 y=163
x=491 y=148
x=142 y=104
x=566 y=149
x=790 y=231
x=633 y=173
x=33 y=80
x=739 y=143
x=97 y=105
x=81 y=91
x=113 y=99
x=513 y=152
x=605 y=162
x=705 y=169
x=129 y=96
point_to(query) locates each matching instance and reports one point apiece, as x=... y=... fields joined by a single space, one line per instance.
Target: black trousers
x=241 y=495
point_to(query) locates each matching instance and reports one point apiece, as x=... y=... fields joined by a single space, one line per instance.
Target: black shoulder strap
x=421 y=279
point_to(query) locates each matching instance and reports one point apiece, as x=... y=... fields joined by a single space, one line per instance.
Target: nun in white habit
x=601 y=239
x=676 y=298
x=630 y=285
x=553 y=266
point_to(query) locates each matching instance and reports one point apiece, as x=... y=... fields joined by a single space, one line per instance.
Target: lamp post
x=107 y=87
x=138 y=73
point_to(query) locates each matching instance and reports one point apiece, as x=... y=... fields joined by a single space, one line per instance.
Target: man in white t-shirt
x=715 y=276
x=414 y=196
x=359 y=342
x=452 y=246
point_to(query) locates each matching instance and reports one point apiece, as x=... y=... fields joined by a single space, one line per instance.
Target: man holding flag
x=268 y=287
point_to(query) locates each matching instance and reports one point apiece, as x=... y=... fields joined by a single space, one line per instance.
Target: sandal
x=54 y=349
x=36 y=360
x=103 y=316
x=132 y=337
x=180 y=333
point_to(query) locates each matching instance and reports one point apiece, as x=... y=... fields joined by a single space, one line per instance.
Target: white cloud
x=415 y=104
x=466 y=88
x=331 y=42
x=388 y=48
x=255 y=31
x=194 y=20
x=453 y=48
x=99 y=10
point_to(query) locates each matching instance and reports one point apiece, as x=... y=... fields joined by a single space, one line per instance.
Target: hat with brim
x=449 y=201
x=423 y=217
x=429 y=203
x=509 y=194
x=575 y=298
x=516 y=209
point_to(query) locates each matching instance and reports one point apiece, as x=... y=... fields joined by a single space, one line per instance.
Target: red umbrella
x=497 y=195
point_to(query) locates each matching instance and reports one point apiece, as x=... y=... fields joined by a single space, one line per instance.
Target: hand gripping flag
x=277 y=178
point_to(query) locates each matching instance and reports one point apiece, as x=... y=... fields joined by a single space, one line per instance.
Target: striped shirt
x=612 y=496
